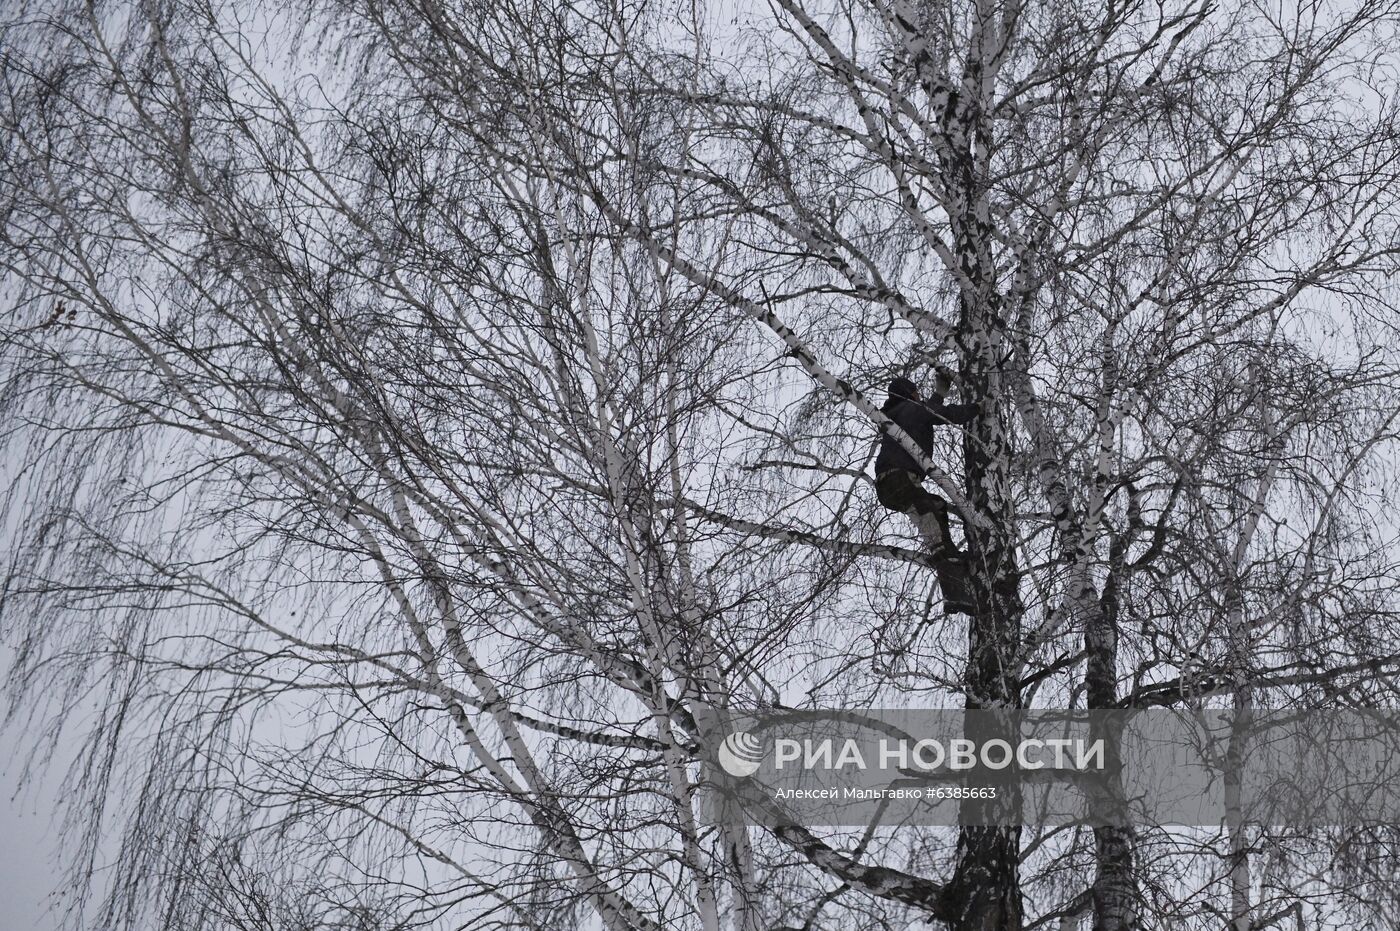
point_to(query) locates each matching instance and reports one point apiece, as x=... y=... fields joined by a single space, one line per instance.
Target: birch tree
x=418 y=414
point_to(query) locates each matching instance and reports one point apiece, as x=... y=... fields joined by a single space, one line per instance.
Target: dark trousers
x=903 y=491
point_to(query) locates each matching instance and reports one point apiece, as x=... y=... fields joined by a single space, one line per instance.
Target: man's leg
x=901 y=491
x=952 y=563
x=932 y=512
x=926 y=502
x=953 y=583
x=896 y=489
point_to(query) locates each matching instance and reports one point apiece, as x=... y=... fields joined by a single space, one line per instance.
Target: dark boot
x=953 y=582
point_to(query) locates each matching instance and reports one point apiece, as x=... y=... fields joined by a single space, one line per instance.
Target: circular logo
x=740 y=754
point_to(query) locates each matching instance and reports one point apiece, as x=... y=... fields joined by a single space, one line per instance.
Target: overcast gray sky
x=27 y=871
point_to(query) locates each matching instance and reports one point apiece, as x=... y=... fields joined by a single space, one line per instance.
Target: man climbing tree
x=899 y=477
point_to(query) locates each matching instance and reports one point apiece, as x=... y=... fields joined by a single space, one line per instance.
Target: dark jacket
x=918 y=418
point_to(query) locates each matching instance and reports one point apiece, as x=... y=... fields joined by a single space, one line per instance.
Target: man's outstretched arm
x=957 y=413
